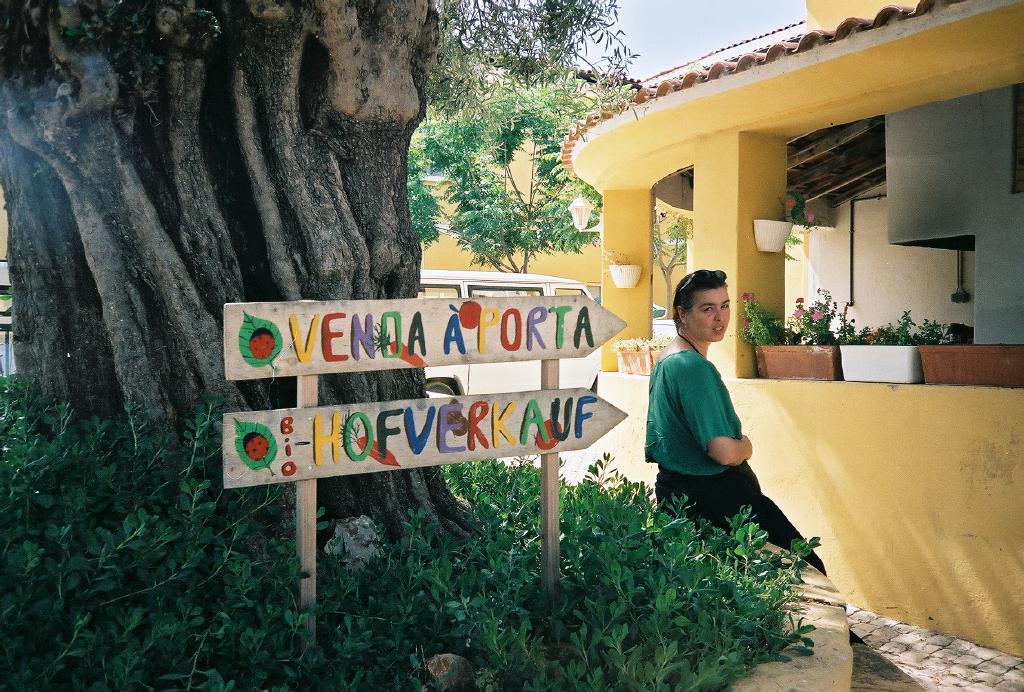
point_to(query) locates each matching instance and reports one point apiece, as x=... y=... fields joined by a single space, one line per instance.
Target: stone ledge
x=831 y=666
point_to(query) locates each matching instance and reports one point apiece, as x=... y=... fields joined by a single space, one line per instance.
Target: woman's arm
x=728 y=451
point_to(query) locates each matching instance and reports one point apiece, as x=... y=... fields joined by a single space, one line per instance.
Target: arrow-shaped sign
x=313 y=338
x=263 y=447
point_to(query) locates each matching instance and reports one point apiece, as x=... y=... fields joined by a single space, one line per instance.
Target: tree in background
x=669 y=235
x=508 y=189
x=163 y=157
x=423 y=205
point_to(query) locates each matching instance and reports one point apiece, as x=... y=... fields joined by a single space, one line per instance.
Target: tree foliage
x=503 y=176
x=531 y=41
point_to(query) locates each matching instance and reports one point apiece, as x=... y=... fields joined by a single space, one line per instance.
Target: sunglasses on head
x=702 y=275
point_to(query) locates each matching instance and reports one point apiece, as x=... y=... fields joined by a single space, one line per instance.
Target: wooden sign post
x=550 y=530
x=306 y=393
x=307 y=338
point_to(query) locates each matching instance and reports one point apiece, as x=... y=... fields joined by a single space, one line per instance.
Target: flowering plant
x=794 y=210
x=615 y=257
x=904 y=333
x=760 y=326
x=809 y=324
x=636 y=344
x=812 y=324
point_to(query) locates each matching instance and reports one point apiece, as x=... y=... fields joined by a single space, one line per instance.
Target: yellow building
x=909 y=122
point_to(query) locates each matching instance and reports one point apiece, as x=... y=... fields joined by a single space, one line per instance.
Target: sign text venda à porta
x=308 y=337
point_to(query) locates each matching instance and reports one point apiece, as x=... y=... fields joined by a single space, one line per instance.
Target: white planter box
x=900 y=364
x=625 y=275
x=770 y=236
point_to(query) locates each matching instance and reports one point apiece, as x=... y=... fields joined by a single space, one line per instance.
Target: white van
x=503 y=377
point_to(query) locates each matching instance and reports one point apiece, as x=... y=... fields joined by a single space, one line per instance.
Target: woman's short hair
x=689 y=285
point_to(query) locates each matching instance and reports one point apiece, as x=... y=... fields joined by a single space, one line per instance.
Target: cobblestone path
x=937 y=661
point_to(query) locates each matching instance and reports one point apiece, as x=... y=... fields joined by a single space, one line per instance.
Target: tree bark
x=263 y=158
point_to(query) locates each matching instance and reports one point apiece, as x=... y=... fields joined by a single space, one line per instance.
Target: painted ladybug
x=256 y=446
x=261 y=343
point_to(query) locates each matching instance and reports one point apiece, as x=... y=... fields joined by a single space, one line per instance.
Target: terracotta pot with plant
x=804 y=348
x=959 y=363
x=633 y=356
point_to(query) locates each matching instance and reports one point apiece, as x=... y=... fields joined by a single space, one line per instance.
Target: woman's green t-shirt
x=688 y=407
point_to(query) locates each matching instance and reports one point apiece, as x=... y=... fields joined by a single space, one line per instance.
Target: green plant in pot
x=802 y=347
x=889 y=353
x=633 y=356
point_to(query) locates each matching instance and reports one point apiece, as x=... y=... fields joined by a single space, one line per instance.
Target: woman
x=693 y=433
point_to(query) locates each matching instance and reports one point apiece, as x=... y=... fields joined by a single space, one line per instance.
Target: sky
x=667 y=33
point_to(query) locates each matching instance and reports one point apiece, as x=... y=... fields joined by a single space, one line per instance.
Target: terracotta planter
x=899 y=364
x=634 y=362
x=799 y=362
x=997 y=365
x=654 y=353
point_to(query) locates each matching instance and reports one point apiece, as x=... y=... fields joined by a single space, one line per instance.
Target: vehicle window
x=502 y=291
x=439 y=292
x=569 y=291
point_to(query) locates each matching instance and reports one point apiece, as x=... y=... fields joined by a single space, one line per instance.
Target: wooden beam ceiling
x=838 y=162
x=821 y=142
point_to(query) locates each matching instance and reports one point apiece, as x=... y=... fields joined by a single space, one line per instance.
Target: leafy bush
x=126 y=565
x=761 y=327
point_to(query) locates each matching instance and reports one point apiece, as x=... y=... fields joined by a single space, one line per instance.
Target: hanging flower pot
x=625 y=275
x=770 y=236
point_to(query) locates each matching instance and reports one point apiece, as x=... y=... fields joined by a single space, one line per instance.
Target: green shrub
x=905 y=332
x=127 y=566
x=648 y=602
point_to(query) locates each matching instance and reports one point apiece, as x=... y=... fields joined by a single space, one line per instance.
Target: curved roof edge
x=769 y=54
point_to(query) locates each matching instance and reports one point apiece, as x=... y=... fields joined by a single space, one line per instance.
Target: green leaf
x=250 y=324
x=242 y=430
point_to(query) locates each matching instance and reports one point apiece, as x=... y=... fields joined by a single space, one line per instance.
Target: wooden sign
x=308 y=337
x=263 y=447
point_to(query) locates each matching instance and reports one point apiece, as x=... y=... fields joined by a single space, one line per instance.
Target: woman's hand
x=728 y=451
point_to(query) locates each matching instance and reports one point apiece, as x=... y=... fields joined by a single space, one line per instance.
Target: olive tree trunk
x=241 y=151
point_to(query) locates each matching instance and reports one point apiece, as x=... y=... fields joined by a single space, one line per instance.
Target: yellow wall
x=628 y=216
x=584 y=267
x=738 y=177
x=827 y=14
x=924 y=527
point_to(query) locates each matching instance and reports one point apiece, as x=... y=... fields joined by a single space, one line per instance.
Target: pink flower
x=798 y=313
x=747 y=296
x=790 y=203
x=810 y=217
x=817 y=315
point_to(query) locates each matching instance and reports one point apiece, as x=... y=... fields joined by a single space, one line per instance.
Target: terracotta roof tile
x=768 y=54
